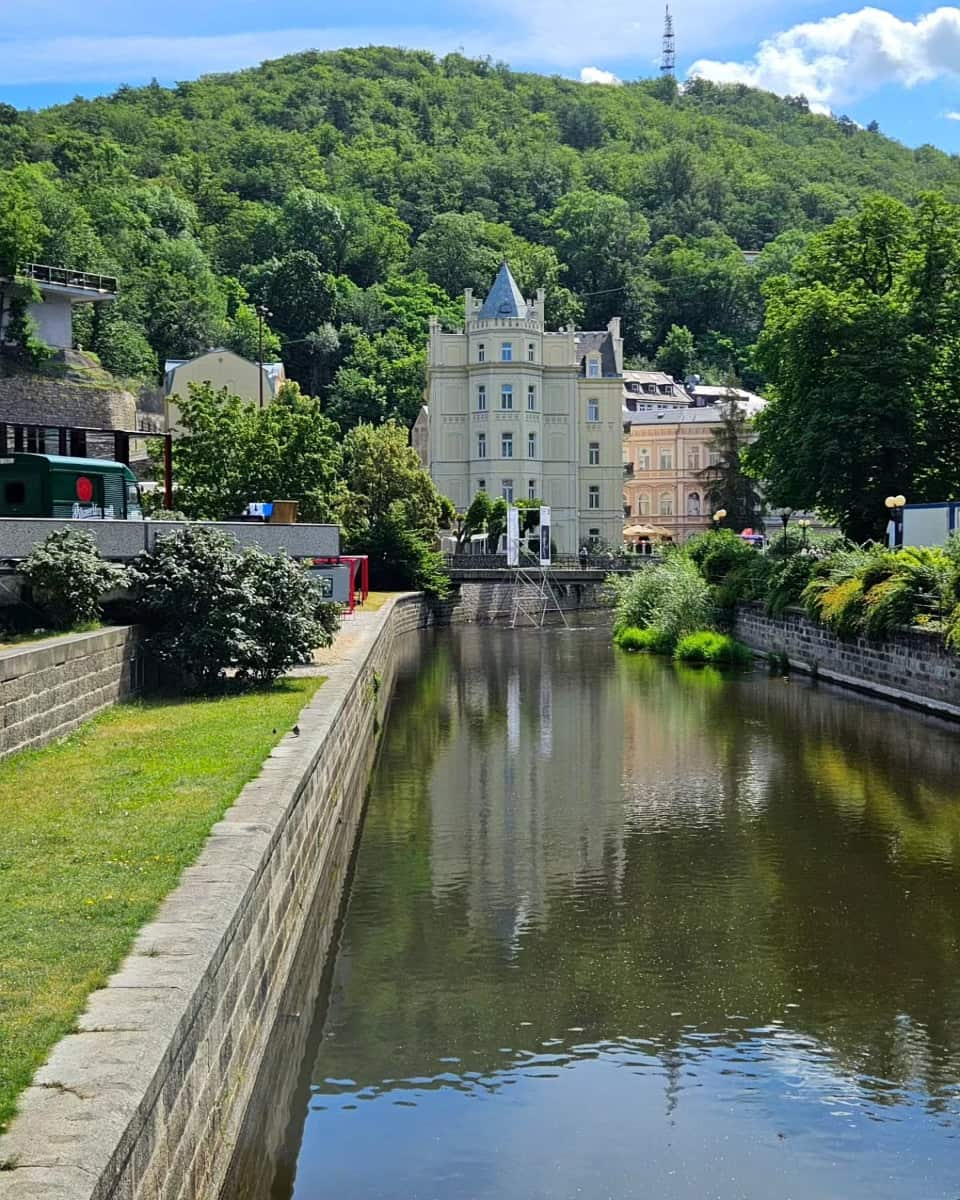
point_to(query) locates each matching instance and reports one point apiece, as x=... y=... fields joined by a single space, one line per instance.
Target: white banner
x=544 y=536
x=513 y=536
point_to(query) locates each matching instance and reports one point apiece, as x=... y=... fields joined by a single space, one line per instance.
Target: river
x=622 y=929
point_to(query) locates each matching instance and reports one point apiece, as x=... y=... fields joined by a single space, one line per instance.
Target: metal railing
x=67 y=277
x=561 y=562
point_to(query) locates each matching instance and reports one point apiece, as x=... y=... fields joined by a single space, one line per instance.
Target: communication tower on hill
x=668 y=62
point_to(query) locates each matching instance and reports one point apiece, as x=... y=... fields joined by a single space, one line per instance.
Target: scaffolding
x=533 y=598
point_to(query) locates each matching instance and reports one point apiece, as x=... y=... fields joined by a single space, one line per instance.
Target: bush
x=653 y=640
x=786 y=579
x=210 y=609
x=68 y=577
x=401 y=556
x=671 y=597
x=707 y=646
x=718 y=553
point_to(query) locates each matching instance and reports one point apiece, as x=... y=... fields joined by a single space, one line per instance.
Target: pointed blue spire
x=504 y=298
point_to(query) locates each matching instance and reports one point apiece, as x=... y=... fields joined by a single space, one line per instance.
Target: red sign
x=84 y=489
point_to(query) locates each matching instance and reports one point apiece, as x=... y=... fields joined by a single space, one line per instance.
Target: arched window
x=643 y=504
x=693 y=504
x=666 y=504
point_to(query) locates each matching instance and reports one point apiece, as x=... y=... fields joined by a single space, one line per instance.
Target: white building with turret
x=523 y=412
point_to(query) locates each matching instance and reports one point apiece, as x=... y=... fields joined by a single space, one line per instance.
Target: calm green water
x=624 y=930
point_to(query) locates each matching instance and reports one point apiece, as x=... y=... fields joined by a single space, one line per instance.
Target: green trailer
x=47 y=485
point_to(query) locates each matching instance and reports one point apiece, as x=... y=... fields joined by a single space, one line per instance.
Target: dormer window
x=481 y=352
x=506 y=351
x=593 y=368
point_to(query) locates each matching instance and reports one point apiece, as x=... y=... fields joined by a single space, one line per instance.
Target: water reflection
x=620 y=929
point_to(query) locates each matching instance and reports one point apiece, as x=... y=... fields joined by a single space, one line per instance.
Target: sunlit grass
x=94 y=833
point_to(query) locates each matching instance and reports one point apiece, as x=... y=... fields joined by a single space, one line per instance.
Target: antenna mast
x=668 y=62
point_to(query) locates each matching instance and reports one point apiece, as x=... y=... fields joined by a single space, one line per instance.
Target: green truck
x=85 y=489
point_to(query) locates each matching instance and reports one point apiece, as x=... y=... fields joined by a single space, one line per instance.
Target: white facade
x=526 y=413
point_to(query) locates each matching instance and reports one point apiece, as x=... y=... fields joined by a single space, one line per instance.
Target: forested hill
x=350 y=190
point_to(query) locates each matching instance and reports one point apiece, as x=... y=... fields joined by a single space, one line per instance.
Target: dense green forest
x=356 y=192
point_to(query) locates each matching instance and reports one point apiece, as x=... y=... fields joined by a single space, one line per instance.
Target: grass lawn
x=94 y=833
x=376 y=600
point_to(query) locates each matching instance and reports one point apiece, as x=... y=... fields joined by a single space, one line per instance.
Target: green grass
x=376 y=600
x=707 y=646
x=632 y=638
x=94 y=833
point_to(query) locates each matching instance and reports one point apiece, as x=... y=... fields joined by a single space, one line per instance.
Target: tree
x=675 y=356
x=728 y=486
x=456 y=252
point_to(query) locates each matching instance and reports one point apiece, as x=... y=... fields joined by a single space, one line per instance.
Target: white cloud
x=952 y=116
x=595 y=75
x=839 y=59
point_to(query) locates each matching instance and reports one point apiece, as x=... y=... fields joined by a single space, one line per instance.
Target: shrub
x=707 y=646
x=401 y=555
x=671 y=597
x=653 y=640
x=786 y=579
x=210 y=609
x=718 y=553
x=68 y=577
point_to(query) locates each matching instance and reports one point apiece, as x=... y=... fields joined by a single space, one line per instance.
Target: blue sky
x=898 y=64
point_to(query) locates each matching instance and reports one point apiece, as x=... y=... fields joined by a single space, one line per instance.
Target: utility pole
x=262 y=313
x=668 y=62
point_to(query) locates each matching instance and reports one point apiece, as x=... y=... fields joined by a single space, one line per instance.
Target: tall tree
x=728 y=486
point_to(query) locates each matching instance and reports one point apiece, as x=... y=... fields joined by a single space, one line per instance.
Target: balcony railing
x=67 y=277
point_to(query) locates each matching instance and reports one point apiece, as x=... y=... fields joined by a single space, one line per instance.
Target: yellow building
x=221 y=369
x=665 y=453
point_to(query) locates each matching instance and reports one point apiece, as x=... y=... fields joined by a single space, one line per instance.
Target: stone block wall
x=911 y=668
x=491 y=601
x=49 y=688
x=27 y=399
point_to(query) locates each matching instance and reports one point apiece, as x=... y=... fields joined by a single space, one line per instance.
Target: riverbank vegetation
x=853 y=590
x=96 y=831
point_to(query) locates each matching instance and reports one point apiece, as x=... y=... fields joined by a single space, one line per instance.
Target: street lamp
x=785 y=514
x=804 y=525
x=895 y=505
x=262 y=313
x=718 y=516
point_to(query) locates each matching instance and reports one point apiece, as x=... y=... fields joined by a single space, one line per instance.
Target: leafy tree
x=676 y=355
x=728 y=486
x=455 y=252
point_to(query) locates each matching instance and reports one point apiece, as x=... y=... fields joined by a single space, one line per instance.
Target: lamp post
x=785 y=514
x=262 y=313
x=804 y=525
x=718 y=516
x=895 y=505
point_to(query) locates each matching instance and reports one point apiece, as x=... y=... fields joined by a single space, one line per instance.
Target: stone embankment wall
x=484 y=601
x=49 y=688
x=147 y=1098
x=911 y=668
x=27 y=399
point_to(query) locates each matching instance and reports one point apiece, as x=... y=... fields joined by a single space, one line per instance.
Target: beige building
x=665 y=452
x=420 y=435
x=221 y=369
x=523 y=412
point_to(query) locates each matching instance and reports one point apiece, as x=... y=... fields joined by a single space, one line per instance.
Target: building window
x=482 y=398
x=506 y=396
x=481 y=352
x=531 y=351
x=506 y=490
x=643 y=459
x=693 y=504
x=506 y=445
x=481 y=445
x=666 y=460
x=714 y=458
x=643 y=504
x=593 y=410
x=593 y=454
x=481 y=485
x=593 y=535
x=693 y=458
x=531 y=445
x=506 y=351
x=531 y=398
x=531 y=489
x=626 y=510
x=666 y=504
x=593 y=497
x=593 y=368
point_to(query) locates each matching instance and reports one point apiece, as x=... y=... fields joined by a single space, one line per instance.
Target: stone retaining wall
x=490 y=601
x=48 y=688
x=910 y=668
x=30 y=399
x=147 y=1098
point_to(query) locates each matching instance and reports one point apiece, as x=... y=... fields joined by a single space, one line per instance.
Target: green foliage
x=729 y=485
x=671 y=597
x=707 y=646
x=68 y=578
x=652 y=640
x=718 y=553
x=209 y=609
x=676 y=355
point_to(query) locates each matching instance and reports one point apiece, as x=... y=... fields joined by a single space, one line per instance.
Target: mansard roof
x=504 y=298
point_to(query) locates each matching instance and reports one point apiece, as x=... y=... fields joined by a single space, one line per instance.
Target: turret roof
x=504 y=298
